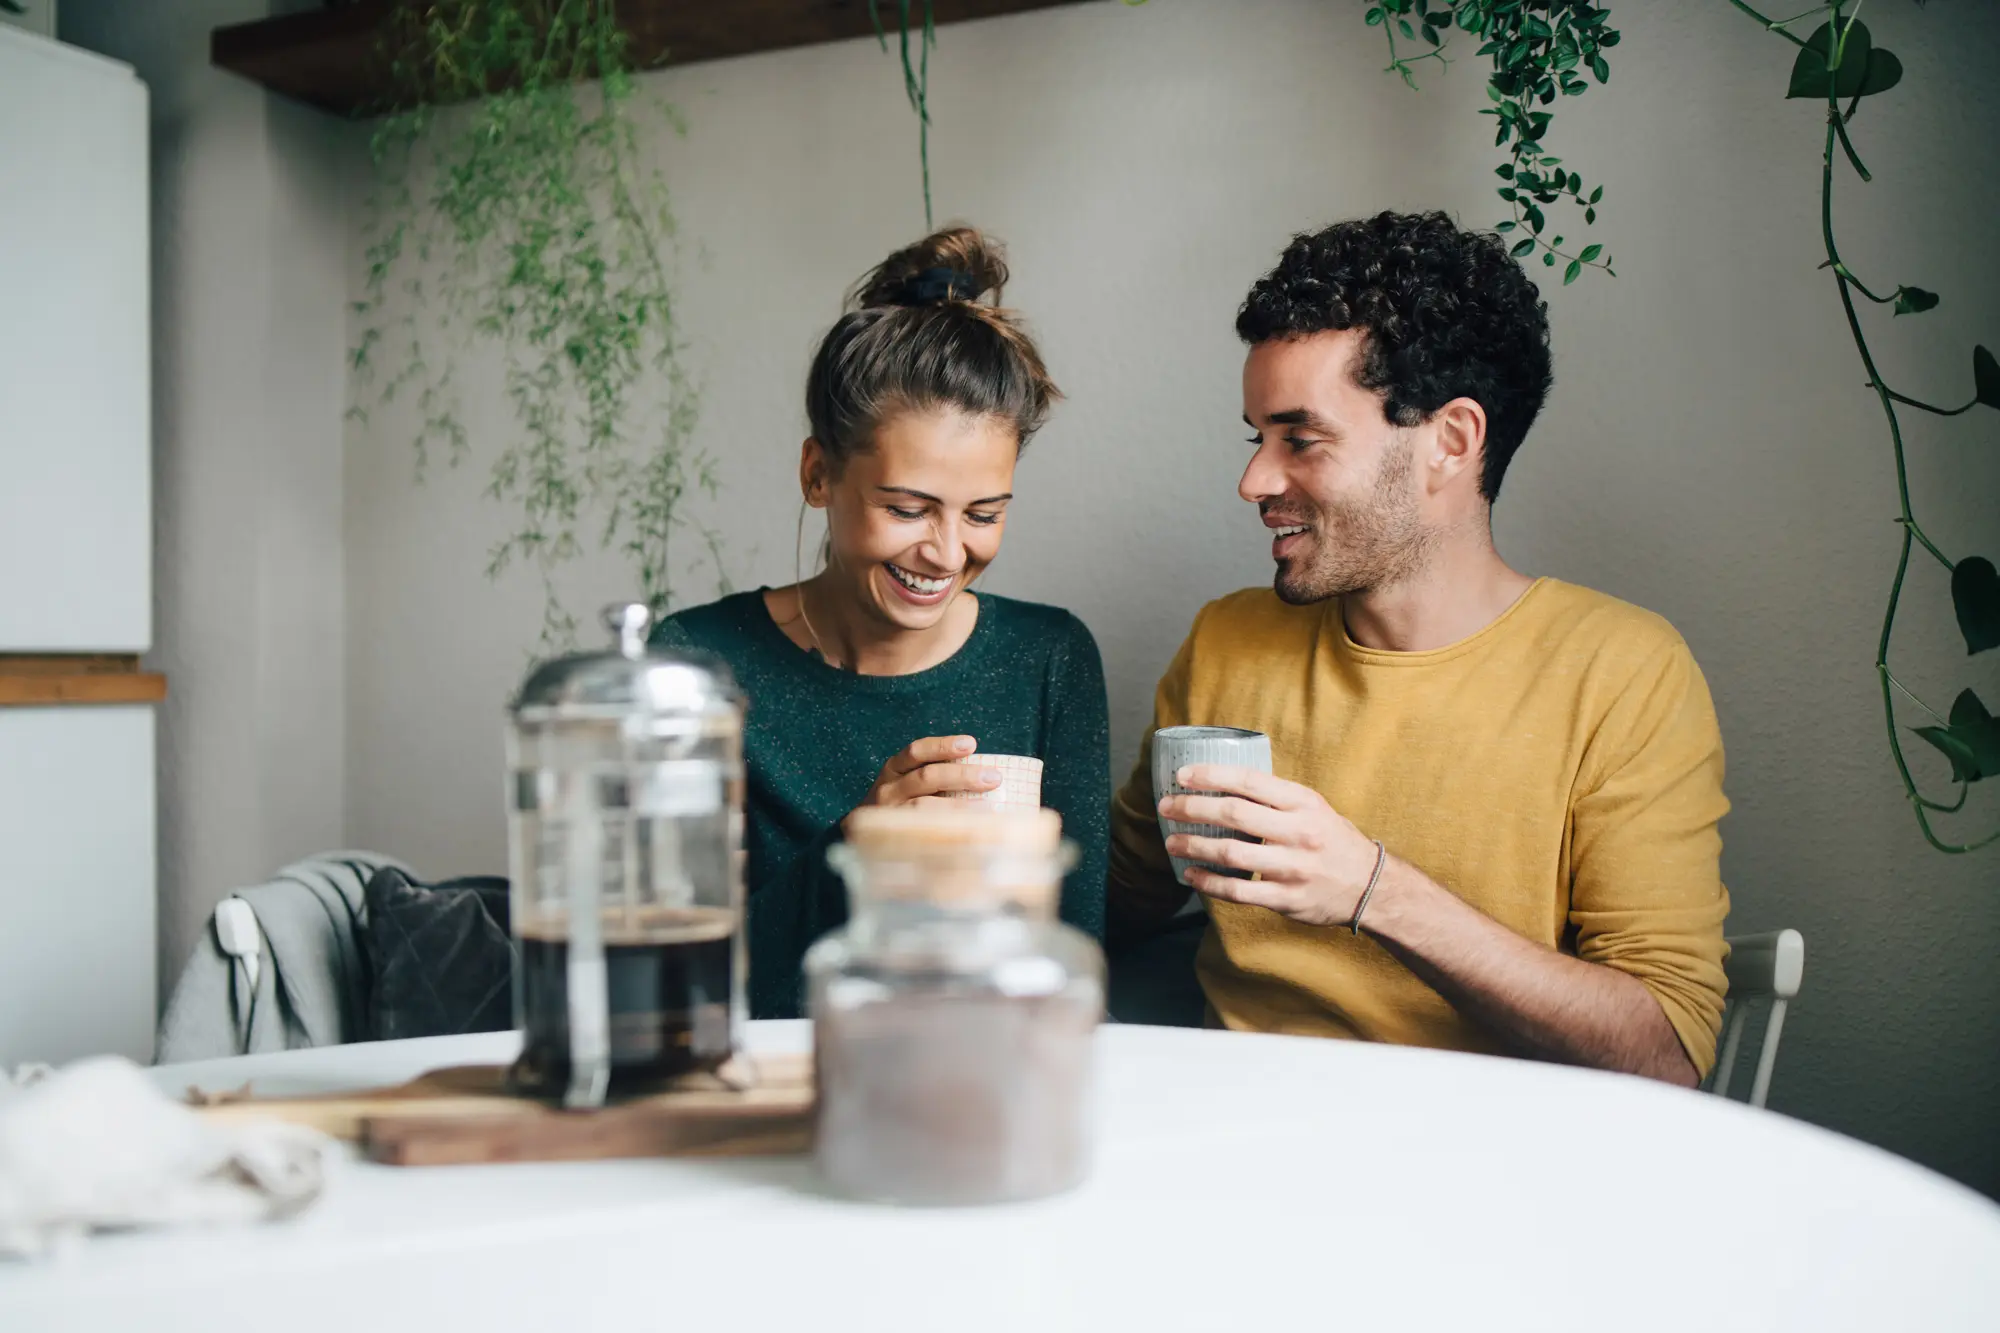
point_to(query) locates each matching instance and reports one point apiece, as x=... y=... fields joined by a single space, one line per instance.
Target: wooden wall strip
x=44 y=680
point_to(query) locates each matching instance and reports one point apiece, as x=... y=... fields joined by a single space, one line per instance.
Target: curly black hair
x=1448 y=314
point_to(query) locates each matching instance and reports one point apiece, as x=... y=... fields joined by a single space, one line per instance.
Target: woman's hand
x=928 y=770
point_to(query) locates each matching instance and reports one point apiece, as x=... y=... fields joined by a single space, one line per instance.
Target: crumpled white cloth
x=96 y=1146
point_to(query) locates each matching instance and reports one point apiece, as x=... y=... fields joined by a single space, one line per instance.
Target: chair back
x=1764 y=972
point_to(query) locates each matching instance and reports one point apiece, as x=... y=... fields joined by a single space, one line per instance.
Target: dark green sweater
x=1028 y=681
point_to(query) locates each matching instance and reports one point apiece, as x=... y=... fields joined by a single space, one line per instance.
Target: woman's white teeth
x=918 y=583
x=1292 y=532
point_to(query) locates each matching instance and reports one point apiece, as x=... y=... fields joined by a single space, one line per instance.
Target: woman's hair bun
x=956 y=264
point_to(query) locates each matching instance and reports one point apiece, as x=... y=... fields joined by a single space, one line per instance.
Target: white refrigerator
x=78 y=858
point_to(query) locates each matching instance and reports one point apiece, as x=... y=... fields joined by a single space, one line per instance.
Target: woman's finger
x=1231 y=812
x=929 y=750
x=943 y=779
x=1259 y=786
x=1231 y=854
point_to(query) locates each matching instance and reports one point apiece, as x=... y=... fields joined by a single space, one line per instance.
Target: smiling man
x=1493 y=821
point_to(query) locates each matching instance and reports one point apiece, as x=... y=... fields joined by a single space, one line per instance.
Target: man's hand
x=1311 y=864
x=927 y=771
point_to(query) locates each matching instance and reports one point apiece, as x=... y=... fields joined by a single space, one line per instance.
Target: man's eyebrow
x=1296 y=416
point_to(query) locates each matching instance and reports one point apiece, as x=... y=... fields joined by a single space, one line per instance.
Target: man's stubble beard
x=1361 y=546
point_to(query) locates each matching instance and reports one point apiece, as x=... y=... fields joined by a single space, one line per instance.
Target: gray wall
x=1708 y=451
x=249 y=336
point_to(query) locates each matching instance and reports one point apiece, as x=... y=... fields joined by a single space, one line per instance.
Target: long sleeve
x=1646 y=892
x=1141 y=893
x=1076 y=768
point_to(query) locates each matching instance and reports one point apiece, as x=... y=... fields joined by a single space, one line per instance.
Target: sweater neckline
x=1388 y=657
x=812 y=668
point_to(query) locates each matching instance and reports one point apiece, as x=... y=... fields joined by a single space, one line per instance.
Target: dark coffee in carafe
x=669 y=978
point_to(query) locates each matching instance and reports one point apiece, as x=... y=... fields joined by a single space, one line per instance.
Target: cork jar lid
x=912 y=852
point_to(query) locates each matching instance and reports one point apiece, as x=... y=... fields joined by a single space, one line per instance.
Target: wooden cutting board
x=464 y=1115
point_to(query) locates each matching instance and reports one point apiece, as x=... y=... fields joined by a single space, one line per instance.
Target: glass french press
x=625 y=829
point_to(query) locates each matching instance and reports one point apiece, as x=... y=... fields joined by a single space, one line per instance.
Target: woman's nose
x=947 y=545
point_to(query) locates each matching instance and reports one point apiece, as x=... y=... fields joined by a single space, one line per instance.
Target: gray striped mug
x=1174 y=748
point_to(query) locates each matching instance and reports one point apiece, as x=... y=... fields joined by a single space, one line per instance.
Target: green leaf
x=1374 y=17
x=1979 y=729
x=1985 y=377
x=1431 y=35
x=1914 y=300
x=1504 y=227
x=1569 y=274
x=1407 y=30
x=1863 y=70
x=1522 y=246
x=1597 y=194
x=1884 y=73
x=1975 y=596
x=1557 y=241
x=1549 y=260
x=1964 y=763
x=1971 y=742
x=1590 y=252
x=1505 y=171
x=1575 y=182
x=1601 y=68
x=1589 y=216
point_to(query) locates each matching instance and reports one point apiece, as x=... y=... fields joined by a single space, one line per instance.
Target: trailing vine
x=916 y=73
x=1839 y=61
x=526 y=221
x=1540 y=50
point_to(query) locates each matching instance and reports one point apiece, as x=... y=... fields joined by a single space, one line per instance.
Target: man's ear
x=1458 y=443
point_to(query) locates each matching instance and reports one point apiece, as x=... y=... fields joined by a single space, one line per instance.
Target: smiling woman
x=882 y=679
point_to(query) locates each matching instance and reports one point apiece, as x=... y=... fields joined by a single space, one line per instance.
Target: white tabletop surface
x=1242 y=1183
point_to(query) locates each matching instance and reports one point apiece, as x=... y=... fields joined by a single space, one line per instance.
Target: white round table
x=1242 y=1183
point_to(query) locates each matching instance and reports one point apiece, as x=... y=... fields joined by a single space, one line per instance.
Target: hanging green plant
x=921 y=23
x=1839 y=62
x=1540 y=50
x=525 y=221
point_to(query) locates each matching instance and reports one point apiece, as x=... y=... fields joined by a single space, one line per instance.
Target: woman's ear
x=813 y=472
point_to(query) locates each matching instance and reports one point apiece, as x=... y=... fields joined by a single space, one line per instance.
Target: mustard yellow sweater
x=1561 y=771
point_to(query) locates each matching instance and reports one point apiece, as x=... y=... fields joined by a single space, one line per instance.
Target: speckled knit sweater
x=1028 y=681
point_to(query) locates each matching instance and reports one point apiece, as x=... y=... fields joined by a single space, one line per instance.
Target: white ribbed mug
x=1020 y=781
x=1174 y=748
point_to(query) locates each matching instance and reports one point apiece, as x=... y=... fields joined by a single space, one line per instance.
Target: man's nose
x=1263 y=478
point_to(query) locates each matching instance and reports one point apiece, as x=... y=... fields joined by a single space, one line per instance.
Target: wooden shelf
x=45 y=681
x=331 y=58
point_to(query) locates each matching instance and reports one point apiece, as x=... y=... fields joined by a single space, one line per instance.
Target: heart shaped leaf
x=1985 y=377
x=1914 y=300
x=1971 y=742
x=1975 y=596
x=1964 y=763
x=1863 y=72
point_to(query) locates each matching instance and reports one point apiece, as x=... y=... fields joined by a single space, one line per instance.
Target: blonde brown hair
x=918 y=336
